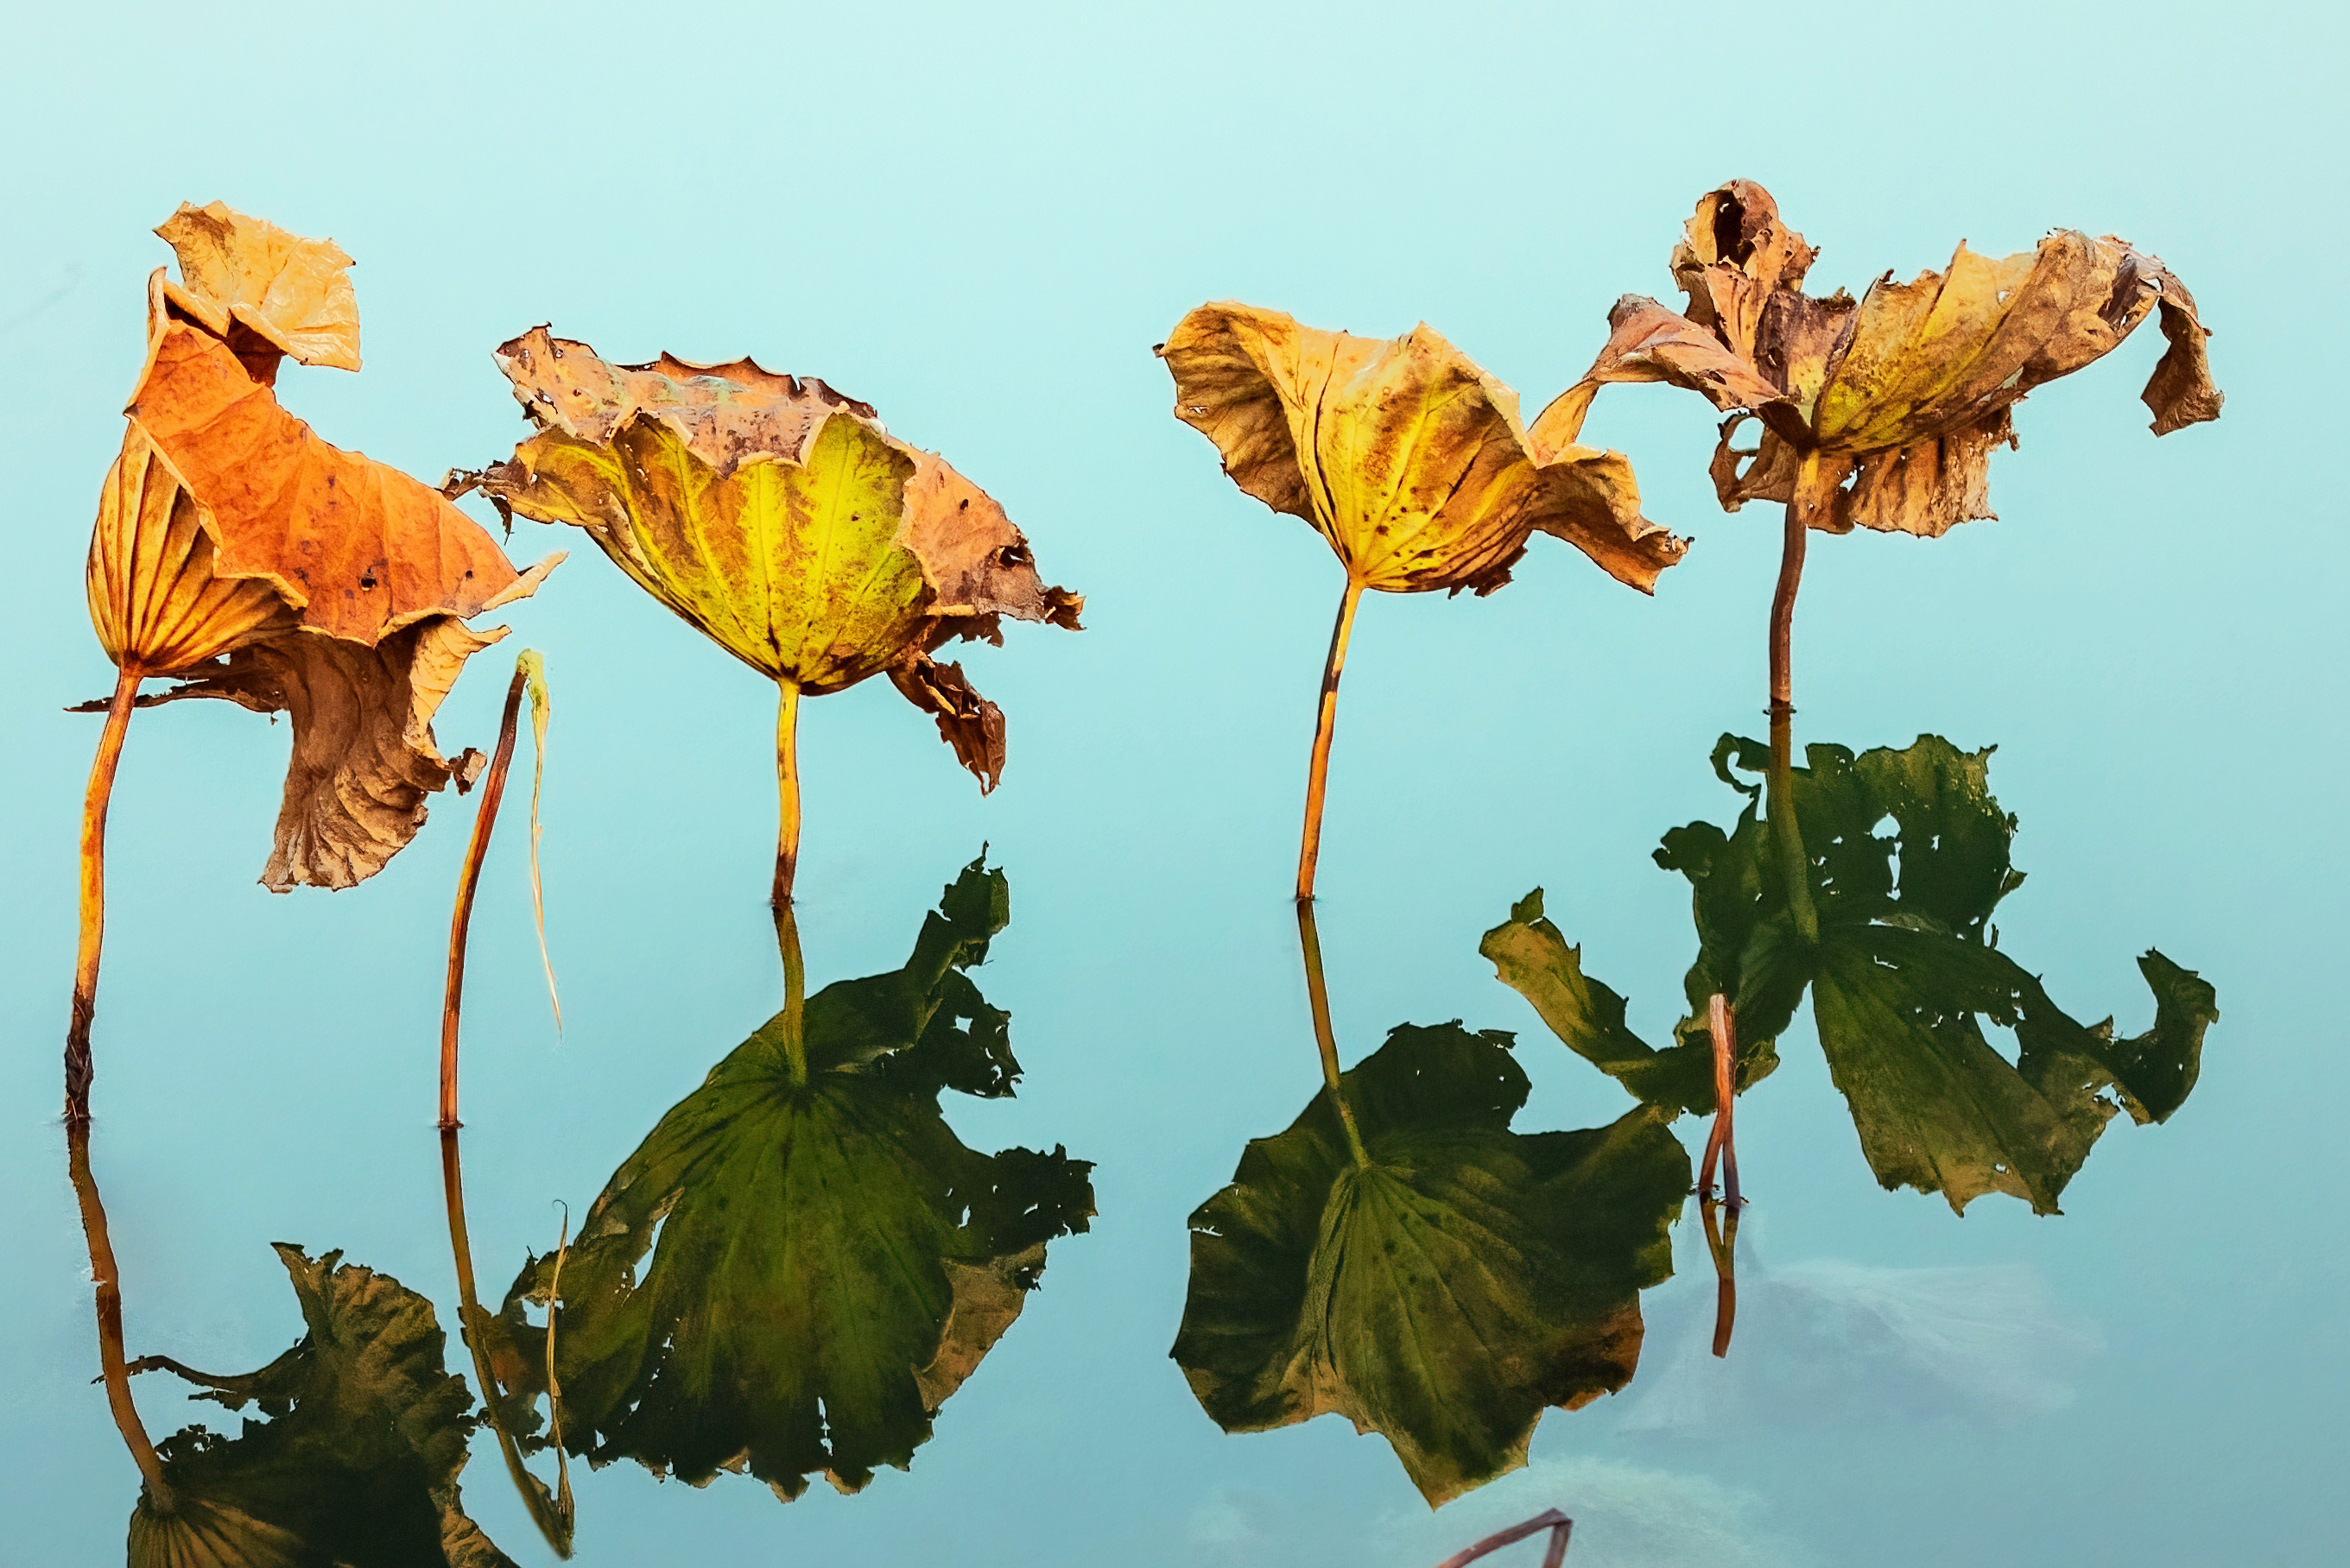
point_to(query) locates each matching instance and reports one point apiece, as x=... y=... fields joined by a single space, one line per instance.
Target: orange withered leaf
x=333 y=587
x=235 y=549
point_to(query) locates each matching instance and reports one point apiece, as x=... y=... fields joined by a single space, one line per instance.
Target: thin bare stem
x=1550 y=1518
x=1794 y=866
x=1318 y=768
x=469 y=879
x=788 y=942
x=787 y=792
x=1317 y=997
x=554 y=1515
x=112 y=1365
x=80 y=1068
x=1721 y=1147
x=1721 y=1241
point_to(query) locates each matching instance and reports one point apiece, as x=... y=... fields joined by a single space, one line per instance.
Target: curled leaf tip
x=293 y=293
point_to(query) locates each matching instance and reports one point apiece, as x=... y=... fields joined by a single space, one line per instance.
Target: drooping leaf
x=1905 y=976
x=1412 y=462
x=1447 y=1288
x=355 y=1464
x=1901 y=396
x=780 y=519
x=236 y=548
x=828 y=1262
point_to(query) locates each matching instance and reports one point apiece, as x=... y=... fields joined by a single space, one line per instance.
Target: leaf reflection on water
x=1906 y=963
x=357 y=1463
x=1400 y=1257
x=828 y=1262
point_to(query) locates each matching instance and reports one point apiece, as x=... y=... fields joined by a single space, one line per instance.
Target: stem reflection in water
x=553 y=1512
x=113 y=1366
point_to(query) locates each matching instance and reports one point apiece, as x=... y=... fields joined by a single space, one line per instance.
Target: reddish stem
x=1721 y=1147
x=469 y=880
x=1550 y=1518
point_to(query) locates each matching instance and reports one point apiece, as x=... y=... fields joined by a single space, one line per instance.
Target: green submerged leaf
x=1905 y=976
x=355 y=1466
x=828 y=1261
x=1446 y=1291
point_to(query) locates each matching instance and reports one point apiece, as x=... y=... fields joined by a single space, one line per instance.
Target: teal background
x=981 y=220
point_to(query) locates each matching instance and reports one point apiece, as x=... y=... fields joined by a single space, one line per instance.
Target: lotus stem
x=1722 y=1146
x=1795 y=865
x=551 y=1522
x=1721 y=1241
x=1550 y=1518
x=469 y=880
x=788 y=942
x=787 y=792
x=1317 y=997
x=80 y=1068
x=1318 y=768
x=114 y=1369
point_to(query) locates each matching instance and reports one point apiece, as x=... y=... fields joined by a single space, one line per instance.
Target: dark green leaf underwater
x=1906 y=968
x=1446 y=1287
x=356 y=1466
x=830 y=1263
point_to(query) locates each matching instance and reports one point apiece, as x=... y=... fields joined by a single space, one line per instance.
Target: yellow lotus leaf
x=784 y=522
x=1410 y=460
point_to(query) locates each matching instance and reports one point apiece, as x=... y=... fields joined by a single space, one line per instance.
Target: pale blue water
x=980 y=226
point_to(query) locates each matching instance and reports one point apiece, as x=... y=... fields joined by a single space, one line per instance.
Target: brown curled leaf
x=1905 y=392
x=364 y=755
x=968 y=722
